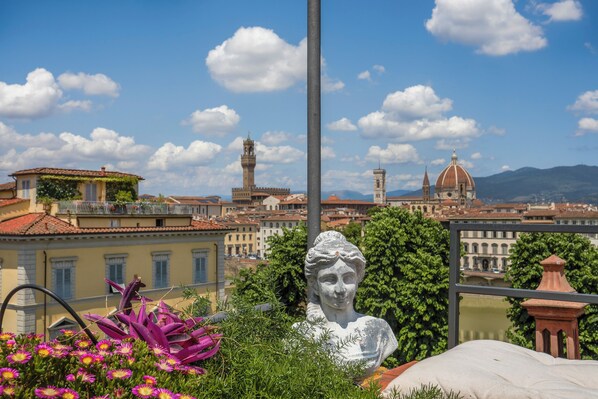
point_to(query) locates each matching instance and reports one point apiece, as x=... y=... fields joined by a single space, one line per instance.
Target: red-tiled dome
x=454 y=179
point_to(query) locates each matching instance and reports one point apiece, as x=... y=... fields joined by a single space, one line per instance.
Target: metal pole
x=313 y=121
x=453 y=316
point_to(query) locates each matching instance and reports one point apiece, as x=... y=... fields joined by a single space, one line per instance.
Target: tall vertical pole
x=313 y=121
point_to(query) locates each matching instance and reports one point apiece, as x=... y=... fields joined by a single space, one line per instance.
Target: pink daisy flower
x=8 y=374
x=119 y=374
x=19 y=357
x=144 y=391
x=83 y=343
x=70 y=377
x=87 y=358
x=5 y=336
x=164 y=366
x=125 y=349
x=104 y=345
x=67 y=333
x=159 y=351
x=68 y=393
x=8 y=390
x=149 y=380
x=49 y=392
x=85 y=376
x=164 y=393
x=44 y=350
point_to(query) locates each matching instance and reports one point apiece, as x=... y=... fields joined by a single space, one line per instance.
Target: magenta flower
x=87 y=358
x=5 y=336
x=8 y=374
x=104 y=345
x=49 y=392
x=70 y=377
x=44 y=350
x=164 y=393
x=8 y=390
x=119 y=374
x=144 y=391
x=125 y=349
x=164 y=366
x=159 y=351
x=85 y=376
x=149 y=380
x=19 y=357
x=83 y=343
x=68 y=393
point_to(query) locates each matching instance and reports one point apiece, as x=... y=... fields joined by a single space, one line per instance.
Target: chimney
x=103 y=169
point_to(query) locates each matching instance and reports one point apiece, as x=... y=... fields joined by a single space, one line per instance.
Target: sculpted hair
x=328 y=247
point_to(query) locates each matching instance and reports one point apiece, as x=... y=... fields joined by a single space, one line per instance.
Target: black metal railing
x=53 y=296
x=455 y=288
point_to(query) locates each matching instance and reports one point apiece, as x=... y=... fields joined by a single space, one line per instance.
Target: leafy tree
x=406 y=281
x=114 y=188
x=57 y=189
x=283 y=276
x=352 y=233
x=581 y=271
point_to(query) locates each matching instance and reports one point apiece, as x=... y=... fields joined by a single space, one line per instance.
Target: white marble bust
x=334 y=268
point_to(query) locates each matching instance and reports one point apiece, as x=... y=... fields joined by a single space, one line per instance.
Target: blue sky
x=168 y=90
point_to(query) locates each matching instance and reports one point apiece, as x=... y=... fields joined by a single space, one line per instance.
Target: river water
x=483 y=317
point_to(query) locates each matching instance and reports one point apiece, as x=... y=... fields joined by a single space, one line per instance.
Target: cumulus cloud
x=256 y=59
x=497 y=131
x=36 y=98
x=505 y=168
x=83 y=105
x=170 y=155
x=379 y=68
x=102 y=144
x=493 y=26
x=342 y=125
x=451 y=144
x=393 y=153
x=327 y=153
x=10 y=138
x=438 y=161
x=416 y=113
x=275 y=138
x=586 y=102
x=93 y=85
x=216 y=121
x=330 y=85
x=476 y=155
x=236 y=145
x=564 y=10
x=365 y=75
x=359 y=181
x=466 y=164
x=586 y=125
x=277 y=154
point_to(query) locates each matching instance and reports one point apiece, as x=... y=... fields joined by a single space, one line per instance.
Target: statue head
x=332 y=251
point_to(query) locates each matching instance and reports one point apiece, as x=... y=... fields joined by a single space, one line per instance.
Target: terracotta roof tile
x=43 y=224
x=74 y=172
x=11 y=201
x=8 y=186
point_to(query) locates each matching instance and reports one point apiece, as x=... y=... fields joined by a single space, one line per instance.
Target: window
x=114 y=222
x=25 y=186
x=200 y=266
x=161 y=269
x=115 y=270
x=243 y=237
x=484 y=248
x=63 y=277
x=494 y=249
x=237 y=237
x=504 y=249
x=160 y=223
x=474 y=248
x=250 y=236
x=91 y=192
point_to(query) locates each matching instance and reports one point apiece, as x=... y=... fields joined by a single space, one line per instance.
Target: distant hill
x=559 y=184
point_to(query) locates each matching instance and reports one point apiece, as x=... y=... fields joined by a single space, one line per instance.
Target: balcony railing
x=113 y=208
x=455 y=288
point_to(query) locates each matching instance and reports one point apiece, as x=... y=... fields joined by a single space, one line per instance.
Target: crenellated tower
x=248 y=163
x=426 y=187
x=380 y=186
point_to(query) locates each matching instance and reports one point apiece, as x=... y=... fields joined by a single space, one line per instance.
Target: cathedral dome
x=455 y=182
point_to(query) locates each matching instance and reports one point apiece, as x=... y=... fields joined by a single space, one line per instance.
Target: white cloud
x=275 y=138
x=416 y=102
x=256 y=59
x=342 y=125
x=416 y=113
x=493 y=26
x=564 y=10
x=466 y=164
x=93 y=85
x=330 y=85
x=497 y=131
x=587 y=125
x=236 y=145
x=586 y=102
x=379 y=68
x=476 y=155
x=34 y=99
x=277 y=154
x=438 y=161
x=327 y=153
x=104 y=144
x=216 y=121
x=10 y=138
x=171 y=156
x=393 y=153
x=451 y=144
x=365 y=75
x=233 y=168
x=505 y=168
x=83 y=105
x=359 y=181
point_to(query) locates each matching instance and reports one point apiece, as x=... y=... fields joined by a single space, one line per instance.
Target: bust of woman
x=334 y=268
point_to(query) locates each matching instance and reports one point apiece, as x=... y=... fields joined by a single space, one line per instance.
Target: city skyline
x=170 y=90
